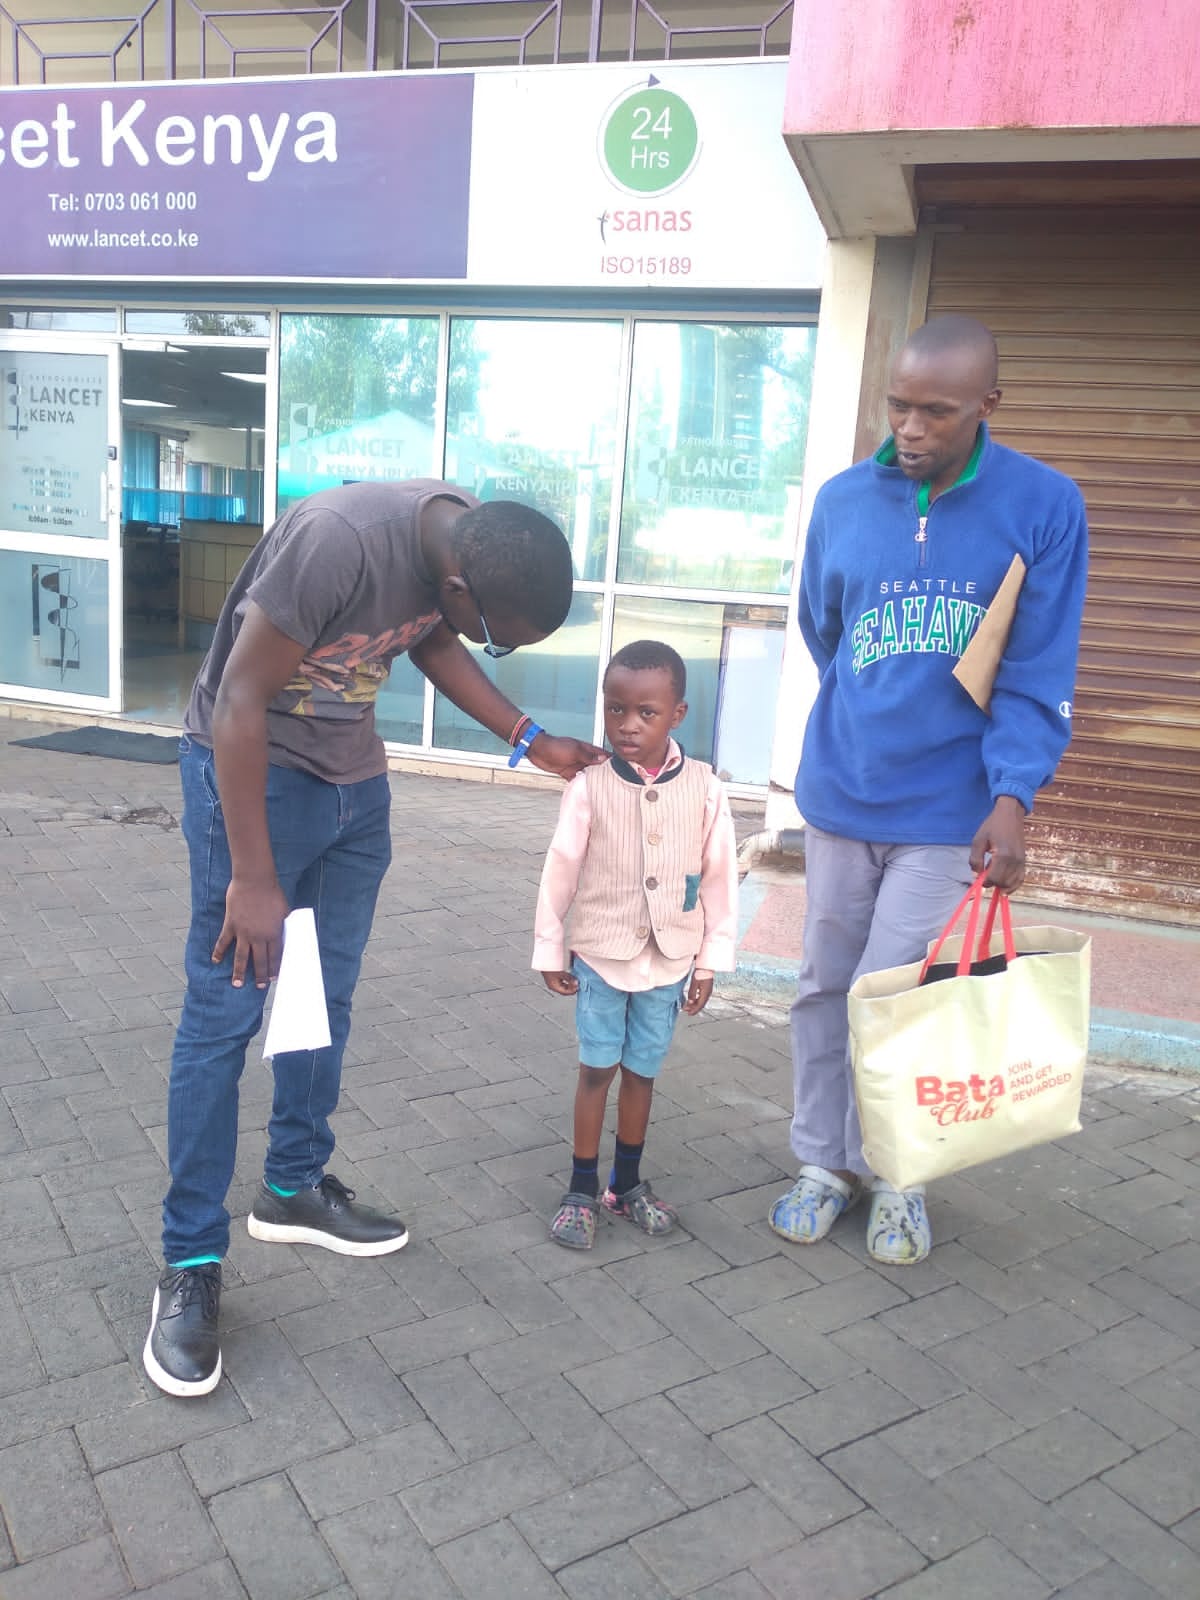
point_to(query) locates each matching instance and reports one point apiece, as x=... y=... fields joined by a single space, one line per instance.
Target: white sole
x=812 y=1238
x=164 y=1380
x=283 y=1233
x=892 y=1261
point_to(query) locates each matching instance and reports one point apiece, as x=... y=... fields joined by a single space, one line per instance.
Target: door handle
x=105 y=496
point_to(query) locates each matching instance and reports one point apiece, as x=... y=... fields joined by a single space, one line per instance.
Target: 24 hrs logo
x=649 y=140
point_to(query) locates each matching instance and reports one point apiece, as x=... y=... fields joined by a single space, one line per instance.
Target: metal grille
x=45 y=42
x=1098 y=324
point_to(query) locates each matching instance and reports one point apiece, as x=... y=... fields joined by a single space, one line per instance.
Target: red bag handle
x=973 y=898
x=999 y=901
x=973 y=949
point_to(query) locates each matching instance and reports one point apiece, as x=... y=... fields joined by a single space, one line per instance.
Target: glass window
x=532 y=416
x=198 y=324
x=400 y=706
x=554 y=682
x=356 y=400
x=58 y=319
x=717 y=426
x=733 y=655
x=54 y=423
x=53 y=622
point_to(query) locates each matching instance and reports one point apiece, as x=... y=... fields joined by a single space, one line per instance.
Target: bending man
x=286 y=804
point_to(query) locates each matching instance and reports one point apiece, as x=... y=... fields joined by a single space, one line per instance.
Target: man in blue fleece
x=905 y=785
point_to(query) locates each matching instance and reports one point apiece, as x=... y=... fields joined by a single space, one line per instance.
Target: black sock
x=625 y=1167
x=585 y=1175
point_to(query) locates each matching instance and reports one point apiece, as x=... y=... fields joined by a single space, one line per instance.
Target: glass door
x=60 y=521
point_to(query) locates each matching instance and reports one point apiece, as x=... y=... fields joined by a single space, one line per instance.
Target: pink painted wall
x=860 y=66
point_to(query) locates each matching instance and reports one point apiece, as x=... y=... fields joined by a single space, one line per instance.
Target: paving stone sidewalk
x=486 y=1415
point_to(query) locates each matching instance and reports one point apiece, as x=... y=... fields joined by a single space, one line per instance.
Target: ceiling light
x=163 y=405
x=247 y=377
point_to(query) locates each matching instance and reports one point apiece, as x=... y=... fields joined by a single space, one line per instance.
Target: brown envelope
x=976 y=669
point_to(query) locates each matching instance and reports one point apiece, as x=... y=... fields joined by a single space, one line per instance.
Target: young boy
x=644 y=857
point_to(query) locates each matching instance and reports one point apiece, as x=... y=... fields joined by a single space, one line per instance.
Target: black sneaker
x=326 y=1216
x=182 y=1354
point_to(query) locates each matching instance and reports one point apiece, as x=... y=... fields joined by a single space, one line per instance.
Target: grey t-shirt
x=340 y=573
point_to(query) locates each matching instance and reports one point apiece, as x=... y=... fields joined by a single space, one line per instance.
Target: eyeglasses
x=490 y=647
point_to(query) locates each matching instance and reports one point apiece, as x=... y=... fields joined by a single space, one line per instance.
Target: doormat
x=118 y=744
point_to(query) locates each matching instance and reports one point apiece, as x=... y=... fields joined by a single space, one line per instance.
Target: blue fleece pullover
x=896 y=751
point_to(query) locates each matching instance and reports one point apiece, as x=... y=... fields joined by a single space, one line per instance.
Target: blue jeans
x=332 y=846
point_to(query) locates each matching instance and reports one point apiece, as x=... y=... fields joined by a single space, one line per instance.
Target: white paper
x=299 y=1018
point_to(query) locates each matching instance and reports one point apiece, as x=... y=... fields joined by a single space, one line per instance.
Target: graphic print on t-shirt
x=340 y=678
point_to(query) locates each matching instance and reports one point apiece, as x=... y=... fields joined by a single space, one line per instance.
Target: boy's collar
x=632 y=773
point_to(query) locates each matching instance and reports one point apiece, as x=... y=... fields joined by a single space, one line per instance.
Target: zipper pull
x=922 y=539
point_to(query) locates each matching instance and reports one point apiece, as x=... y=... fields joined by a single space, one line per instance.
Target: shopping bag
x=953 y=1068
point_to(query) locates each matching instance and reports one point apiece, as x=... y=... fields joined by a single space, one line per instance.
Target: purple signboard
x=324 y=177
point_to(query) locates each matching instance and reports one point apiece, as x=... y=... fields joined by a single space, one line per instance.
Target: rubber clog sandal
x=898 y=1232
x=641 y=1206
x=809 y=1209
x=574 y=1225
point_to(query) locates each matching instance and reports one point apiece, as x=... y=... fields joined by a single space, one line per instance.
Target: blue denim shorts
x=615 y=1026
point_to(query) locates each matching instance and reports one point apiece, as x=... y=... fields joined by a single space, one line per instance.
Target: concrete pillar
x=873 y=293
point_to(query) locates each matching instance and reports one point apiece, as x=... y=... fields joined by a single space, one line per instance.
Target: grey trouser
x=870 y=906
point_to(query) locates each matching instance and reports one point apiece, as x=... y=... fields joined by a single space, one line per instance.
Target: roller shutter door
x=1099 y=333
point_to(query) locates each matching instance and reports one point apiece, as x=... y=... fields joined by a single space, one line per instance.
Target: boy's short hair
x=650 y=655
